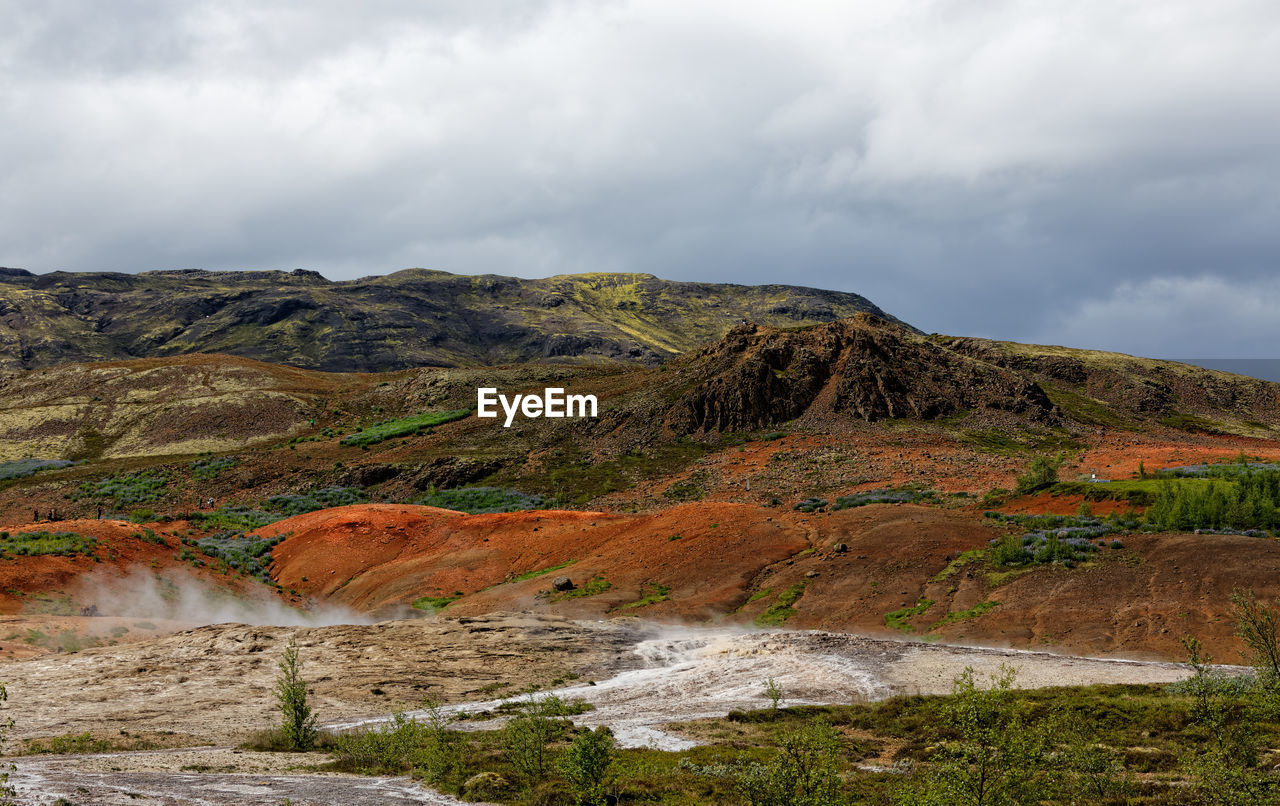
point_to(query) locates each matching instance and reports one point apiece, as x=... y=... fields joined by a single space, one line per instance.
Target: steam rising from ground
x=181 y=597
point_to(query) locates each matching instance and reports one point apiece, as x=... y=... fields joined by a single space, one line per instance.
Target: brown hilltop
x=862 y=367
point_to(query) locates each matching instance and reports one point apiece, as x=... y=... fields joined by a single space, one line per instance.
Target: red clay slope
x=378 y=555
x=730 y=562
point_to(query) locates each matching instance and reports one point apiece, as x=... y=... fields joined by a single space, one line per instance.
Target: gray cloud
x=1087 y=172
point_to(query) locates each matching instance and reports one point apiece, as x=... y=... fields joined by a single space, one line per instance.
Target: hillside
x=411 y=318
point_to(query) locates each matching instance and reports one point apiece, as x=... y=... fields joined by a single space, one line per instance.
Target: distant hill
x=407 y=319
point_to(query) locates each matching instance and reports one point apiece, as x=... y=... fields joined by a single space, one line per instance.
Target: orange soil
x=380 y=555
x=120 y=549
x=732 y=561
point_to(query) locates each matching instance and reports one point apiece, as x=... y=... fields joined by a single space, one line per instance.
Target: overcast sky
x=1101 y=174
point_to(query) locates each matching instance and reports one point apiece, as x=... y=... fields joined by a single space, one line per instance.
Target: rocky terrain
x=821 y=505
x=410 y=318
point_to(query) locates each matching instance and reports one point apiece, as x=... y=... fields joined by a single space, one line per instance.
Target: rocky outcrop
x=863 y=367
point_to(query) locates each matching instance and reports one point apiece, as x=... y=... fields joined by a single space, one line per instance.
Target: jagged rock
x=562 y=584
x=863 y=367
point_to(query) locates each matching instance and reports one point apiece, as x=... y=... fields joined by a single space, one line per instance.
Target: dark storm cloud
x=1100 y=174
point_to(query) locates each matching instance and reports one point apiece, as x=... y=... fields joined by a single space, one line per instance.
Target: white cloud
x=1197 y=317
x=963 y=164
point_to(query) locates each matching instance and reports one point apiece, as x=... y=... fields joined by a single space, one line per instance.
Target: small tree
x=1225 y=767
x=773 y=692
x=442 y=751
x=1258 y=625
x=996 y=758
x=297 y=723
x=586 y=764
x=1042 y=474
x=527 y=735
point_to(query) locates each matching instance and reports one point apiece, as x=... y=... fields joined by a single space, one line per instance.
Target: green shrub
x=478 y=500
x=586 y=764
x=21 y=468
x=297 y=722
x=60 y=544
x=1042 y=474
x=209 y=467
x=125 y=491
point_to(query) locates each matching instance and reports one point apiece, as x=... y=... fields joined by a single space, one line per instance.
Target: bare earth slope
x=726 y=563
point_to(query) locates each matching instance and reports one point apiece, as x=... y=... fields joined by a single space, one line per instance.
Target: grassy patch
x=60 y=544
x=1005 y=441
x=897 y=620
x=433 y=603
x=402 y=427
x=1084 y=409
x=963 y=615
x=592 y=587
x=1192 y=423
x=965 y=558
x=783 y=608
x=651 y=593
x=541 y=571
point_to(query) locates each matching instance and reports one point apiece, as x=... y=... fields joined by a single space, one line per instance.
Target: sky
x=1097 y=174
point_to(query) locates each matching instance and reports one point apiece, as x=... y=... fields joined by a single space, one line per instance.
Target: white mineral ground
x=658 y=676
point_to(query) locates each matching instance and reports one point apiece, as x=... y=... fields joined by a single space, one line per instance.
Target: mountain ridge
x=410 y=318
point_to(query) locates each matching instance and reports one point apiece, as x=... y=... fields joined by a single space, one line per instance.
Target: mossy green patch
x=898 y=619
x=963 y=615
x=783 y=608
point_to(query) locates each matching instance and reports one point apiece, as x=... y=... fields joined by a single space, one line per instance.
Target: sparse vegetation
x=905 y=495
x=209 y=467
x=650 y=593
x=247 y=553
x=898 y=619
x=59 y=544
x=776 y=614
x=433 y=603
x=402 y=427
x=125 y=491
x=592 y=587
x=22 y=468
x=479 y=500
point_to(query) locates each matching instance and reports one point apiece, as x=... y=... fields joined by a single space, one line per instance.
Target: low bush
x=905 y=495
x=209 y=467
x=125 y=491
x=480 y=500
x=60 y=544
x=21 y=468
